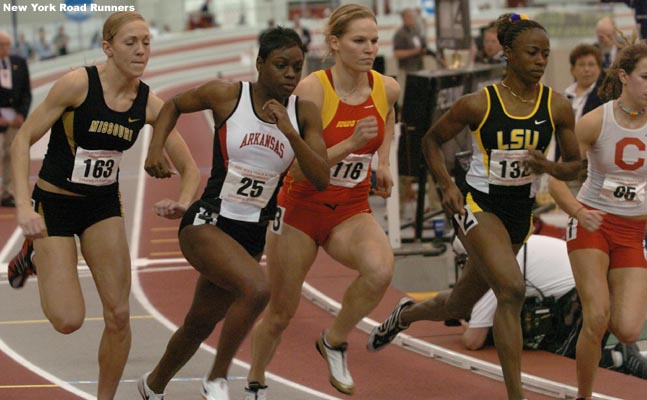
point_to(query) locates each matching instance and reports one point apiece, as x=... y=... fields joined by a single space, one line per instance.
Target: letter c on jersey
x=620 y=149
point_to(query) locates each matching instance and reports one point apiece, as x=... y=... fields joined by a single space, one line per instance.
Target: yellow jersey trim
x=330 y=99
x=477 y=132
x=534 y=110
x=68 y=126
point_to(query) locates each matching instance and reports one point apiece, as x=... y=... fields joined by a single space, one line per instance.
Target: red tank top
x=350 y=178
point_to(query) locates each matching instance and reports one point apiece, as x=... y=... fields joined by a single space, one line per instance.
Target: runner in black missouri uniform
x=260 y=129
x=95 y=114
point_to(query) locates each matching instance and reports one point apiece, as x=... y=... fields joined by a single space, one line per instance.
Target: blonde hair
x=342 y=17
x=116 y=21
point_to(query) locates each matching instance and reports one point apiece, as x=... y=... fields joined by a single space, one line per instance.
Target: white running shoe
x=335 y=357
x=217 y=389
x=384 y=333
x=255 y=391
x=145 y=391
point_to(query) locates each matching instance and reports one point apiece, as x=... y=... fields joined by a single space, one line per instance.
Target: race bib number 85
x=623 y=191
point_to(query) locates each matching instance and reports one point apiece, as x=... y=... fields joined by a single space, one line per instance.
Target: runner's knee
x=117 y=318
x=627 y=331
x=277 y=320
x=511 y=295
x=380 y=277
x=66 y=323
x=256 y=295
x=596 y=323
x=458 y=309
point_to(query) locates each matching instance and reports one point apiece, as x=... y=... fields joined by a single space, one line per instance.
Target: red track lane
x=14 y=374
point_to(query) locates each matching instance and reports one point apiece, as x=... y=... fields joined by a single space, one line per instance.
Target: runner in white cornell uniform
x=605 y=234
x=260 y=129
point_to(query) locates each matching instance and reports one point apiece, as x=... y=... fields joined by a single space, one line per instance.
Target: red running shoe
x=21 y=266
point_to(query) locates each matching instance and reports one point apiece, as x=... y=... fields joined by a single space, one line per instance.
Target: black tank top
x=86 y=142
x=495 y=169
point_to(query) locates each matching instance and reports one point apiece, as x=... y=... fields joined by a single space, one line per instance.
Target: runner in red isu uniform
x=356 y=107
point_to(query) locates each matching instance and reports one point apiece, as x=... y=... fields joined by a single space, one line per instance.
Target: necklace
x=516 y=95
x=345 y=96
x=629 y=111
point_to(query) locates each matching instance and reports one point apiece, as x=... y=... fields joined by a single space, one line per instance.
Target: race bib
x=507 y=168
x=623 y=191
x=249 y=185
x=277 y=223
x=351 y=171
x=571 y=229
x=96 y=167
x=466 y=222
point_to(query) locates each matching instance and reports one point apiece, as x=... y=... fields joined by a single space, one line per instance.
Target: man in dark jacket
x=15 y=99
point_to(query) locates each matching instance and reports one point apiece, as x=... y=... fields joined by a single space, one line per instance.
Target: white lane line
x=42 y=373
x=493 y=371
x=138 y=291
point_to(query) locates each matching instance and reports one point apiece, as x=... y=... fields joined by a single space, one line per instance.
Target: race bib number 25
x=247 y=184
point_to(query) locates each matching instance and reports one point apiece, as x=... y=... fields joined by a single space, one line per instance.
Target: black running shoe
x=633 y=363
x=384 y=334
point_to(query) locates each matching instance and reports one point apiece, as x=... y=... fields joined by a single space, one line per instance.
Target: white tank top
x=617 y=172
x=256 y=155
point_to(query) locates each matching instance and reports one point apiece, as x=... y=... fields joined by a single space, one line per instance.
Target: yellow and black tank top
x=501 y=143
x=86 y=142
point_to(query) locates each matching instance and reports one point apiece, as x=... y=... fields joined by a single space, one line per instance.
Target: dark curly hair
x=278 y=38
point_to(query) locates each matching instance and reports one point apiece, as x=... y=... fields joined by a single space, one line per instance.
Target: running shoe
x=255 y=391
x=633 y=363
x=21 y=266
x=384 y=333
x=335 y=357
x=145 y=391
x=217 y=389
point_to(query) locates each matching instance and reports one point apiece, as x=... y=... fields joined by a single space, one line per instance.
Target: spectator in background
x=270 y=25
x=640 y=9
x=586 y=68
x=95 y=42
x=23 y=48
x=15 y=99
x=304 y=33
x=42 y=47
x=490 y=51
x=605 y=29
x=421 y=23
x=61 y=40
x=207 y=17
x=409 y=44
x=155 y=33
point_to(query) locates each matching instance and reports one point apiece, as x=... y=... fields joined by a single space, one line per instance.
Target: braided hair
x=510 y=26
